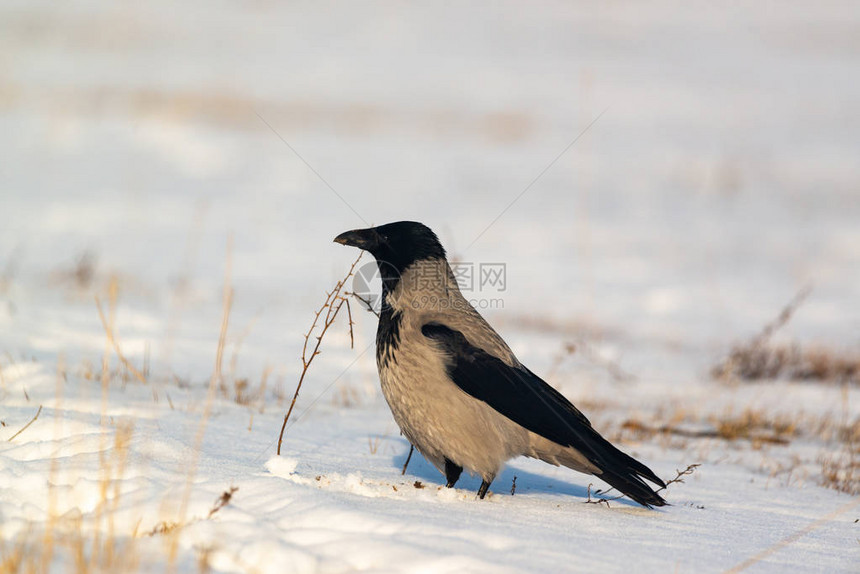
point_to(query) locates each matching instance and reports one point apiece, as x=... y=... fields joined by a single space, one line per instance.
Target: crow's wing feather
x=523 y=397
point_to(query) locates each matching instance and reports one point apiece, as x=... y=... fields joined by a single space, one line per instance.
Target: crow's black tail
x=624 y=472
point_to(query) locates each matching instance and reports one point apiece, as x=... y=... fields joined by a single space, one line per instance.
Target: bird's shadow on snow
x=527 y=482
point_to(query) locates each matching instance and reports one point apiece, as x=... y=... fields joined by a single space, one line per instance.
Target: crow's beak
x=365 y=239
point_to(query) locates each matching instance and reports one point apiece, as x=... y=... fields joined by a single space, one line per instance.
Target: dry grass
x=753 y=425
x=108 y=325
x=759 y=359
x=373 y=444
x=86 y=543
x=239 y=389
x=347 y=395
x=245 y=393
x=837 y=467
x=95 y=540
x=233 y=111
x=764 y=362
x=80 y=276
x=828 y=365
x=214 y=383
x=841 y=471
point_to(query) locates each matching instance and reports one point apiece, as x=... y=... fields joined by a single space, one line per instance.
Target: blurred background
x=715 y=173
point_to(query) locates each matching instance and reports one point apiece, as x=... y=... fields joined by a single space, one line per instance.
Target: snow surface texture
x=721 y=178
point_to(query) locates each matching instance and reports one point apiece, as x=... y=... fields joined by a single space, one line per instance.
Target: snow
x=720 y=180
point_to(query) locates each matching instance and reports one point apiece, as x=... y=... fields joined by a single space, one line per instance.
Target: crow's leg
x=452 y=473
x=408 y=458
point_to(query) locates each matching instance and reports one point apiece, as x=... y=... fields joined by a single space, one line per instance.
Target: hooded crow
x=457 y=391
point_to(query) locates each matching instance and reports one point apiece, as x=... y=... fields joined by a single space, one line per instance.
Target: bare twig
x=349 y=314
x=367 y=304
x=26 y=425
x=514 y=485
x=680 y=474
x=334 y=300
x=600 y=500
x=679 y=477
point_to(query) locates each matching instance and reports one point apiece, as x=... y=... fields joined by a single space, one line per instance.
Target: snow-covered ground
x=158 y=145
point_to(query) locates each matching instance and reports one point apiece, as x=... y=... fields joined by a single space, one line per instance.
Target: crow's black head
x=396 y=244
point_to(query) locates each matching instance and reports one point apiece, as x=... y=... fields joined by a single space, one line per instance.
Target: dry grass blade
x=237 y=346
x=112 y=339
x=11 y=438
x=783 y=317
x=214 y=382
x=334 y=301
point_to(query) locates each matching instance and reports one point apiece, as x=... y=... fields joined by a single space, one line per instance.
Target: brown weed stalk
x=334 y=301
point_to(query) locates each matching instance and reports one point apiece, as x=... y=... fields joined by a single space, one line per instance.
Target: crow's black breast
x=387 y=335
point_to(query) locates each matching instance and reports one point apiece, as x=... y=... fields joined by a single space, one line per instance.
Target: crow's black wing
x=523 y=397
